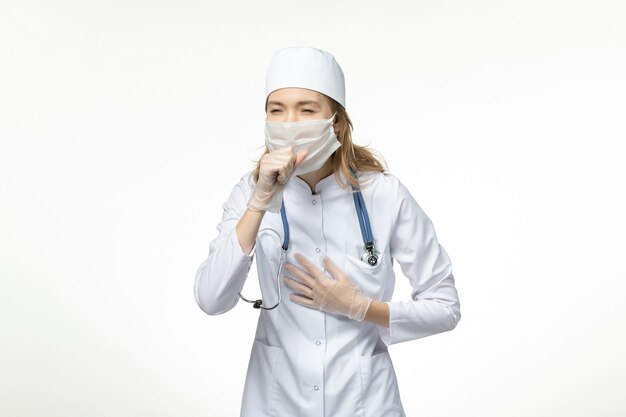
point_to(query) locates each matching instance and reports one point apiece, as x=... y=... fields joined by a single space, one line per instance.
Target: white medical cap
x=306 y=67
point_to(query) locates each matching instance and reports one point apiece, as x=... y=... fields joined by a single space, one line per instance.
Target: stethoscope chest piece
x=370 y=258
x=371 y=255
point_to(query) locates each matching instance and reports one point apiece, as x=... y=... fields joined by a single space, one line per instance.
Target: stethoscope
x=370 y=256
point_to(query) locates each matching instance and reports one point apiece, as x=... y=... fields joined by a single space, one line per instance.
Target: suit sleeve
x=434 y=305
x=221 y=276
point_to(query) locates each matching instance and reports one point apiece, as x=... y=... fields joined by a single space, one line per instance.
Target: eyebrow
x=300 y=103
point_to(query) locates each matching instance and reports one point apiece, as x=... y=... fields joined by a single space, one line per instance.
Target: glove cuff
x=360 y=305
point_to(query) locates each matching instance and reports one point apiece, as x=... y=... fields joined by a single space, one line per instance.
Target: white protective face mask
x=316 y=136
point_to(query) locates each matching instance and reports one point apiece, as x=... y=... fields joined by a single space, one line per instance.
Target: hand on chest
x=330 y=228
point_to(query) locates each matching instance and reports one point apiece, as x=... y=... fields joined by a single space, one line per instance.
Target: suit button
x=317 y=250
x=317 y=342
x=314 y=202
x=315 y=387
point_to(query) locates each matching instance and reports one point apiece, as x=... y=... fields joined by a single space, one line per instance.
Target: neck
x=313 y=177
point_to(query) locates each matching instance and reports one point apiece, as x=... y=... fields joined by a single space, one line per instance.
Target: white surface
x=504 y=119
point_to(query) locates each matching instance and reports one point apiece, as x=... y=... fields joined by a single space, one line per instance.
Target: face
x=297 y=105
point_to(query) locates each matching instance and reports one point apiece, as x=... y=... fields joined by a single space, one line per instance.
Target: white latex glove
x=276 y=168
x=317 y=290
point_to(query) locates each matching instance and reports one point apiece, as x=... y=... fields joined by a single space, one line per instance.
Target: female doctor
x=325 y=221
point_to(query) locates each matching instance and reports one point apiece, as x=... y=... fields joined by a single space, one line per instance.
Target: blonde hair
x=348 y=155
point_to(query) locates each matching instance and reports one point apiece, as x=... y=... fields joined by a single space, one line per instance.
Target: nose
x=292 y=116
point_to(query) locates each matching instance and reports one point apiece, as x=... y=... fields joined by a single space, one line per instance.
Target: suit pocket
x=372 y=280
x=259 y=392
x=381 y=396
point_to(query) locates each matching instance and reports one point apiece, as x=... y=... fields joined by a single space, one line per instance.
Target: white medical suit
x=306 y=362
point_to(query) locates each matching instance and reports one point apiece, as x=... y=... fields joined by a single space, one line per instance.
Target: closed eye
x=309 y=110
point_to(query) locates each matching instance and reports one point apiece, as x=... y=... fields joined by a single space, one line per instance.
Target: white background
x=125 y=124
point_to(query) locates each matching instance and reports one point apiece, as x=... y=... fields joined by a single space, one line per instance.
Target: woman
x=322 y=351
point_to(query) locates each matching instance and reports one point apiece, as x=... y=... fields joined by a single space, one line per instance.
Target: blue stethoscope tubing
x=370 y=256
